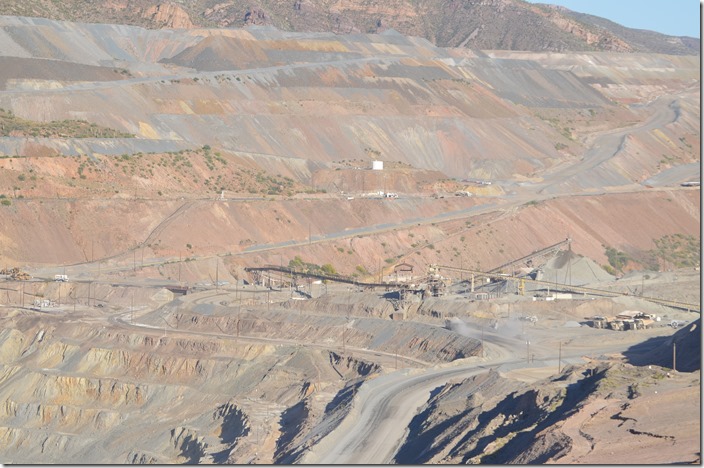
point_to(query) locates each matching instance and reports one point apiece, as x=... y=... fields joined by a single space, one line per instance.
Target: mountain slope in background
x=316 y=108
x=485 y=24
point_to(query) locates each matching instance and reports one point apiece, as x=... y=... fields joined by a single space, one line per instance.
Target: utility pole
x=527 y=351
x=674 y=356
x=559 y=357
x=483 y=353
x=569 y=261
x=217 y=265
x=239 y=309
x=179 y=267
x=134 y=260
x=642 y=285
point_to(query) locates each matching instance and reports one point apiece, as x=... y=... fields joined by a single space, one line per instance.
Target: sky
x=672 y=17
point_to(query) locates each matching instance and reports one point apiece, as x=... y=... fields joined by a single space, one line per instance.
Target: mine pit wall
x=71 y=296
x=86 y=392
x=302 y=425
x=421 y=341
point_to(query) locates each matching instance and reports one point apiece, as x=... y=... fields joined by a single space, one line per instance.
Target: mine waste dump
x=307 y=232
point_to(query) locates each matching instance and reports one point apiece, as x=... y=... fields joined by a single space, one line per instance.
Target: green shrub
x=617 y=259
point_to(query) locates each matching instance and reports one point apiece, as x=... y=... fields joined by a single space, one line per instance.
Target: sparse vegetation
x=11 y=125
x=362 y=270
x=680 y=250
x=304 y=267
x=372 y=152
x=617 y=259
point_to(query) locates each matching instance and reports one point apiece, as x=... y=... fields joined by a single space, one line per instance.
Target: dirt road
x=384 y=407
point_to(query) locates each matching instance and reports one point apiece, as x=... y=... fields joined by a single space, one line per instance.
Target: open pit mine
x=259 y=246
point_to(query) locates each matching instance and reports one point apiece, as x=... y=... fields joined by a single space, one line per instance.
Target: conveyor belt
x=578 y=289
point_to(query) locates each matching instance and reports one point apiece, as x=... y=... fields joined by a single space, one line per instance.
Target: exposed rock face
x=168 y=15
x=589 y=414
x=598 y=38
x=255 y=16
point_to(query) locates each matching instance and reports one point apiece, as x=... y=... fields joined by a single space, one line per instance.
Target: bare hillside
x=495 y=24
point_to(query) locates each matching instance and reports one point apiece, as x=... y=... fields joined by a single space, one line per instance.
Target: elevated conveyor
x=570 y=288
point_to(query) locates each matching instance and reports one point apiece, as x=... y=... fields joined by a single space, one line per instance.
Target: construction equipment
x=627 y=320
x=597 y=322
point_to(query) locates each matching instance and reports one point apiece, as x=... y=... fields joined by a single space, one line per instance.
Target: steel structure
x=570 y=288
x=538 y=253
